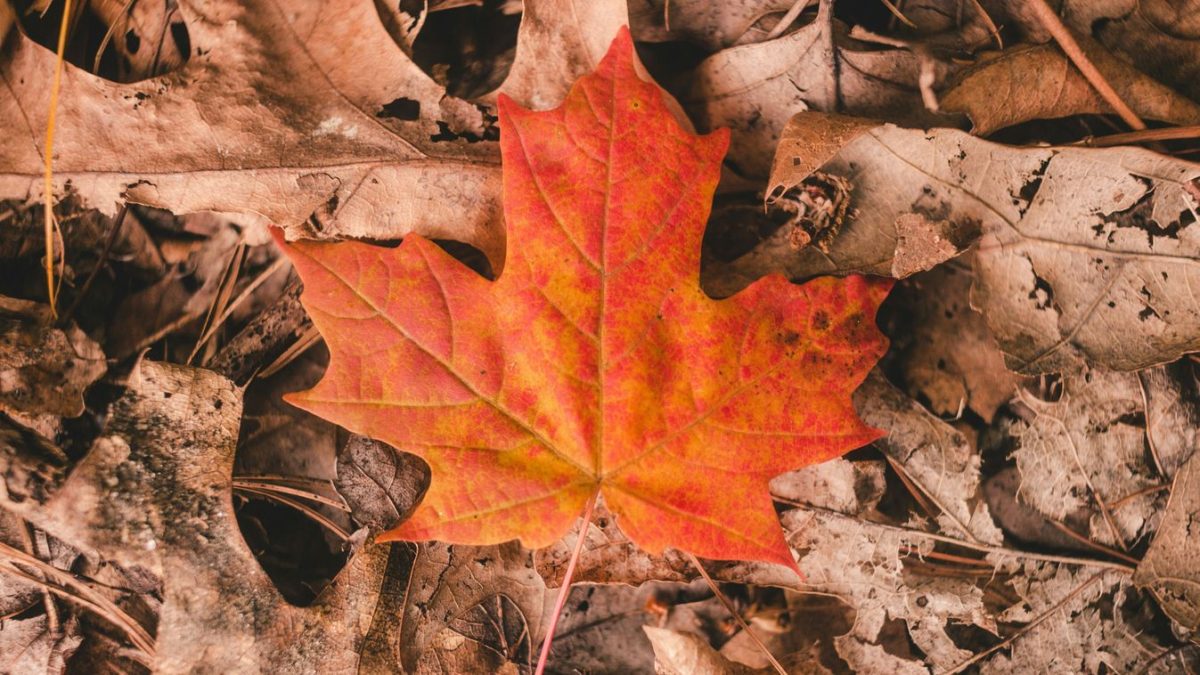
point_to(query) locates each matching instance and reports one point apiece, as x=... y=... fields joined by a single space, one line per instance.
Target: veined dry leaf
x=274 y=114
x=594 y=364
x=933 y=455
x=756 y=89
x=678 y=653
x=1085 y=254
x=1088 y=448
x=1037 y=82
x=1171 y=567
x=44 y=369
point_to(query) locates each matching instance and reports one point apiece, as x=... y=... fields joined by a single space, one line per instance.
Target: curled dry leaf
x=272 y=115
x=754 y=90
x=1171 y=567
x=677 y=653
x=1038 y=82
x=44 y=368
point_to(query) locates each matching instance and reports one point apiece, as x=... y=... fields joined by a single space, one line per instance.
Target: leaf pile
x=550 y=293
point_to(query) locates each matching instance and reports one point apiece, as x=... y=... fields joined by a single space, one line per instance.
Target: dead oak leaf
x=595 y=363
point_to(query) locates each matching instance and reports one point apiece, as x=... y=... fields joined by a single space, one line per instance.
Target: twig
x=898 y=14
x=104 y=253
x=69 y=587
x=1024 y=629
x=983 y=548
x=911 y=483
x=1094 y=545
x=565 y=589
x=1144 y=136
x=987 y=21
x=1054 y=25
x=302 y=344
x=1116 y=505
x=736 y=615
x=299 y=506
x=48 y=160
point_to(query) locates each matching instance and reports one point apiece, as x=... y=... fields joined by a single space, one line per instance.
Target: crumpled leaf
x=1170 y=568
x=710 y=25
x=578 y=371
x=754 y=90
x=44 y=368
x=1078 y=245
x=380 y=485
x=27 y=645
x=1037 y=82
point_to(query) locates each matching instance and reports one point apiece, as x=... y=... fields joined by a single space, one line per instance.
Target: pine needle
x=48 y=184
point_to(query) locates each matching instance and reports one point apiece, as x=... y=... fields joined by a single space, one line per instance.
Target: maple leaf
x=594 y=363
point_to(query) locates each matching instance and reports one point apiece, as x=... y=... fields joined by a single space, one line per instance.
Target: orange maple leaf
x=594 y=364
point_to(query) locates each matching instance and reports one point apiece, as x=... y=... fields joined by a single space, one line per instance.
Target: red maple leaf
x=594 y=364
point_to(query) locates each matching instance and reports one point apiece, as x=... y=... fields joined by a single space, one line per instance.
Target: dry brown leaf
x=143 y=34
x=756 y=89
x=933 y=455
x=946 y=355
x=1171 y=567
x=713 y=26
x=677 y=653
x=44 y=369
x=1089 y=447
x=31 y=646
x=1037 y=82
x=380 y=485
x=272 y=115
x=1085 y=254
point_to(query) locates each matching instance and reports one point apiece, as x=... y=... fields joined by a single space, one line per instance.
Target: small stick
x=1070 y=47
x=787 y=19
x=1094 y=545
x=565 y=589
x=738 y=617
x=1145 y=136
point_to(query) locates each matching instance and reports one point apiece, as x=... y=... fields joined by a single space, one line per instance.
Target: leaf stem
x=565 y=589
x=736 y=615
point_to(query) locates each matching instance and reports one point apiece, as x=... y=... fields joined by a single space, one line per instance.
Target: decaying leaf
x=678 y=653
x=1078 y=245
x=1171 y=566
x=1038 y=82
x=932 y=455
x=44 y=368
x=709 y=25
x=578 y=371
x=1087 y=450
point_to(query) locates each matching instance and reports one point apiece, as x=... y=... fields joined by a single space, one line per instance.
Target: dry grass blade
x=70 y=588
x=221 y=301
x=48 y=160
x=736 y=615
x=231 y=307
x=251 y=484
x=787 y=19
x=310 y=337
x=1145 y=136
x=275 y=495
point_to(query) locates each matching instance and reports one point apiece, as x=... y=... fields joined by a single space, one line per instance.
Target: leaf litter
x=1027 y=508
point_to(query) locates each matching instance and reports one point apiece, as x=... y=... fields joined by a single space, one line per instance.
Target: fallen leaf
x=712 y=26
x=678 y=653
x=1169 y=569
x=380 y=485
x=273 y=115
x=45 y=369
x=1087 y=450
x=947 y=356
x=1038 y=82
x=1078 y=245
x=30 y=645
x=932 y=455
x=578 y=371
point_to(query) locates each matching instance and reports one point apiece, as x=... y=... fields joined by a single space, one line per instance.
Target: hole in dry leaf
x=467 y=49
x=119 y=41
